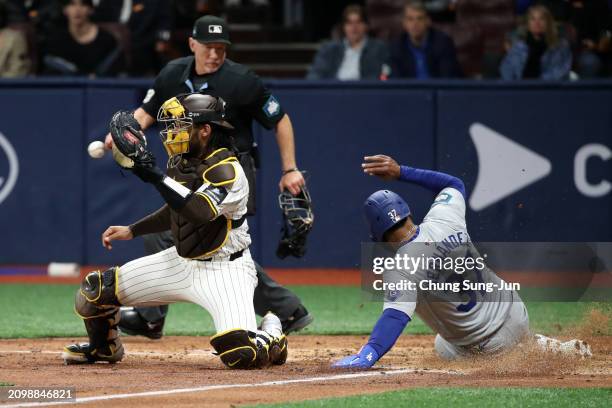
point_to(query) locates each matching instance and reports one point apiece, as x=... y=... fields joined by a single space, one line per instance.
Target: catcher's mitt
x=130 y=147
x=298 y=219
x=129 y=142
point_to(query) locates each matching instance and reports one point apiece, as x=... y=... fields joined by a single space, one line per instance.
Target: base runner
x=206 y=193
x=481 y=323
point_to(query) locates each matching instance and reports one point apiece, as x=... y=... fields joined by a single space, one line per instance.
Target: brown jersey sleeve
x=158 y=221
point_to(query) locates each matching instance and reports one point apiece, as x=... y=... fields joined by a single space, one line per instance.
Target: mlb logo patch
x=272 y=107
x=215 y=29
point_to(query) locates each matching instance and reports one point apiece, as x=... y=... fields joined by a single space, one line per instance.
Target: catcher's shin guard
x=96 y=303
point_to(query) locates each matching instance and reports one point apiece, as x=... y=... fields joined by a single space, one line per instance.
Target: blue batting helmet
x=383 y=210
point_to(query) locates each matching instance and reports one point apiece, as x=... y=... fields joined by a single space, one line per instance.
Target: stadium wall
x=535 y=158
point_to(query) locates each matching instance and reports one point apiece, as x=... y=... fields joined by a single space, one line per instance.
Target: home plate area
x=183 y=371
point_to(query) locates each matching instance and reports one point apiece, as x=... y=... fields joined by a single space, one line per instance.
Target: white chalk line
x=221 y=387
x=135 y=353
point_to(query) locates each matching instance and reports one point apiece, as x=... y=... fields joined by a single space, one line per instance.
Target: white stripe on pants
x=224 y=288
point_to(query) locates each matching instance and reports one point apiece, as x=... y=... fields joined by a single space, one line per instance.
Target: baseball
x=96 y=149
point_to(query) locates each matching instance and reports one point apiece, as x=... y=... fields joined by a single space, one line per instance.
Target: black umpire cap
x=211 y=29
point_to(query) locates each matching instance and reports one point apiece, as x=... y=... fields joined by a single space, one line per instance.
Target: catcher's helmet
x=180 y=113
x=383 y=210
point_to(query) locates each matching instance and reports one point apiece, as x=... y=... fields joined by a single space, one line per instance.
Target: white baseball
x=96 y=149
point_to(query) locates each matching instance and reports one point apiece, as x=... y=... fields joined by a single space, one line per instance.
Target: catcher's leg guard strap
x=238 y=349
x=96 y=302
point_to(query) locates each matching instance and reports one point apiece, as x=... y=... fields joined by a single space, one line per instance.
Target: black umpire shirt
x=245 y=94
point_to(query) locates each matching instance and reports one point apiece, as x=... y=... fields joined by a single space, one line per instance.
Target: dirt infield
x=182 y=371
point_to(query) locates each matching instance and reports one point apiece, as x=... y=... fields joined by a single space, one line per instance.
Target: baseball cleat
x=133 y=324
x=82 y=354
x=300 y=319
x=572 y=347
x=271 y=324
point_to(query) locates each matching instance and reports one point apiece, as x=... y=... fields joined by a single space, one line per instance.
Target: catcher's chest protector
x=198 y=241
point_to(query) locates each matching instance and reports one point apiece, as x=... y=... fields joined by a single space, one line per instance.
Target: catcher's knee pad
x=97 y=294
x=238 y=349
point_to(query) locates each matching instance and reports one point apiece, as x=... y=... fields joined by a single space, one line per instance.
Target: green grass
x=470 y=397
x=47 y=311
x=6 y=384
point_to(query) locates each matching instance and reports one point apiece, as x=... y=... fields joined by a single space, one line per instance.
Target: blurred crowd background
x=332 y=39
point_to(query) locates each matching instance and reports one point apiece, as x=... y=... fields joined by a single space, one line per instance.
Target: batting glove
x=366 y=358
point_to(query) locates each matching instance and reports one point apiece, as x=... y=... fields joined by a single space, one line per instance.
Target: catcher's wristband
x=290 y=170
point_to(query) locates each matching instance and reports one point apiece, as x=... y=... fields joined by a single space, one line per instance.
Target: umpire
x=208 y=71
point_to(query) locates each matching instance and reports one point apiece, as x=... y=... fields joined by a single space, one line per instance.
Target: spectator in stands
x=82 y=48
x=38 y=20
x=149 y=22
x=354 y=57
x=593 y=22
x=14 y=60
x=537 y=51
x=422 y=52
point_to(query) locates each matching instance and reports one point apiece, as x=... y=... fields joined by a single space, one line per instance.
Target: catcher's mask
x=298 y=220
x=180 y=113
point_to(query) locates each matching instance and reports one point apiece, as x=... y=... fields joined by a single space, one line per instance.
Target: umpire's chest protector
x=191 y=240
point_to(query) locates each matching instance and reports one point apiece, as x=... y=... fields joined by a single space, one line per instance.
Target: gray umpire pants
x=269 y=295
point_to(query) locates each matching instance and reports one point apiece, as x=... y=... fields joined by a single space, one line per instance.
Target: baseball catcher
x=206 y=192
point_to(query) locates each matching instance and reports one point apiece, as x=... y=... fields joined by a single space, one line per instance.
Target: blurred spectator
x=149 y=23
x=537 y=51
x=14 y=60
x=82 y=48
x=42 y=18
x=593 y=23
x=423 y=52
x=354 y=57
